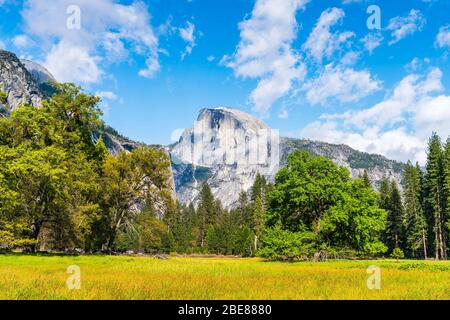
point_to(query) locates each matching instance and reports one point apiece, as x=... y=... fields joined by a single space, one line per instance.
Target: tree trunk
x=424 y=245
x=441 y=240
x=35 y=231
x=111 y=239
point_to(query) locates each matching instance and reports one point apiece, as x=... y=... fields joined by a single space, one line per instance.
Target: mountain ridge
x=228 y=179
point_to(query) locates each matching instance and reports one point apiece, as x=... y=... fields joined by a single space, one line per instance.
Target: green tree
x=280 y=244
x=259 y=212
x=259 y=188
x=147 y=234
x=434 y=196
x=366 y=179
x=312 y=194
x=207 y=212
x=385 y=194
x=130 y=179
x=395 y=226
x=398 y=254
x=416 y=228
x=304 y=190
x=446 y=164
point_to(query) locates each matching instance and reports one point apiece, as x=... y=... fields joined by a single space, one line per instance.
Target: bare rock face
x=17 y=82
x=38 y=73
x=228 y=148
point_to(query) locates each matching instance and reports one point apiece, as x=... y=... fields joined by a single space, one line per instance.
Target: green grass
x=120 y=277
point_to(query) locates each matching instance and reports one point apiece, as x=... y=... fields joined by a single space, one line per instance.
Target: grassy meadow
x=123 y=277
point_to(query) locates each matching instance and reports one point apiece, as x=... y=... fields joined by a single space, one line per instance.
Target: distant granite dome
x=227 y=148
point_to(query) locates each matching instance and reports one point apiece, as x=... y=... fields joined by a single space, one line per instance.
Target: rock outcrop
x=227 y=148
x=17 y=82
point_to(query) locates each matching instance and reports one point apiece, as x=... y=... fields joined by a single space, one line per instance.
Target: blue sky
x=309 y=68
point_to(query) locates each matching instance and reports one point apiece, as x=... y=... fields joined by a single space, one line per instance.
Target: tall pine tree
x=416 y=228
x=447 y=192
x=395 y=227
x=434 y=196
x=206 y=212
x=385 y=194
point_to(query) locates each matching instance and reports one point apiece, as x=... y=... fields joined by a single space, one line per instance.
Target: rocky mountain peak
x=227 y=148
x=240 y=119
x=39 y=73
x=226 y=136
x=17 y=82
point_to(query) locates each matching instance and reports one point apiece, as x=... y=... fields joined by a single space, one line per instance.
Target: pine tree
x=259 y=188
x=244 y=210
x=366 y=179
x=395 y=227
x=434 y=196
x=447 y=191
x=258 y=220
x=416 y=228
x=206 y=212
x=385 y=193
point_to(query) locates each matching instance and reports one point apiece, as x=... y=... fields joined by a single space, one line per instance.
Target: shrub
x=279 y=244
x=3 y=97
x=398 y=254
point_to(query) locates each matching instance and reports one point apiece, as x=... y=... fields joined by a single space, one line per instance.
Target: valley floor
x=122 y=277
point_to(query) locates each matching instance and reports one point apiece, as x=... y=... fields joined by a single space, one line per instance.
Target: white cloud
x=322 y=42
x=265 y=51
x=416 y=64
x=433 y=114
x=109 y=30
x=211 y=58
x=108 y=95
x=343 y=84
x=402 y=27
x=403 y=100
x=350 y=58
x=2 y=45
x=187 y=34
x=372 y=41
x=397 y=127
x=69 y=63
x=22 y=41
x=395 y=144
x=443 y=37
x=105 y=97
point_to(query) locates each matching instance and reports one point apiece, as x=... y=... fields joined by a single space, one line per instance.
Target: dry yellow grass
x=118 y=277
